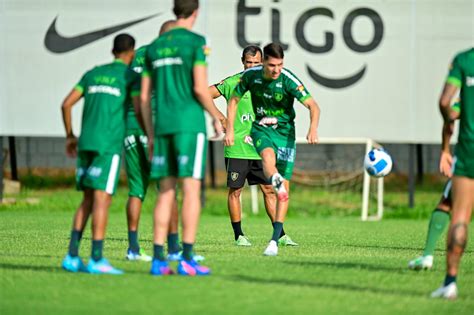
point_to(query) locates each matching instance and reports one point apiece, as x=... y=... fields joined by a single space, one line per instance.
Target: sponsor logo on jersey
x=234 y=176
x=267 y=95
x=286 y=154
x=248 y=140
x=158 y=160
x=169 y=61
x=94 y=171
x=469 y=81
x=246 y=117
x=269 y=121
x=104 y=89
x=183 y=159
x=257 y=81
x=279 y=85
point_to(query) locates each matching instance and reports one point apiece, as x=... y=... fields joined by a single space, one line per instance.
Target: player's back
x=463 y=70
x=170 y=60
x=105 y=89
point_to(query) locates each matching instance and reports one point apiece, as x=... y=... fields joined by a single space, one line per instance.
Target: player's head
x=166 y=26
x=186 y=9
x=251 y=56
x=272 y=61
x=124 y=47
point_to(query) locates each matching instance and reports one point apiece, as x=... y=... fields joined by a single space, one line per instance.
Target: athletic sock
x=187 y=251
x=74 y=243
x=277 y=228
x=159 y=252
x=173 y=243
x=282 y=230
x=438 y=222
x=97 y=246
x=449 y=279
x=236 y=226
x=133 y=242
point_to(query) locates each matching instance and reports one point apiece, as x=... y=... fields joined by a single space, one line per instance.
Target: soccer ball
x=378 y=163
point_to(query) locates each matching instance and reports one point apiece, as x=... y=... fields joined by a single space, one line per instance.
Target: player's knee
x=235 y=192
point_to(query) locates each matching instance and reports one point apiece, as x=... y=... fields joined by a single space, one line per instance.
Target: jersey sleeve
x=243 y=85
x=455 y=73
x=81 y=85
x=201 y=52
x=294 y=87
x=225 y=88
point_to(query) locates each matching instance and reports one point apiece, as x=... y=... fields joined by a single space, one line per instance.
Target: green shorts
x=464 y=165
x=284 y=148
x=137 y=165
x=98 y=171
x=179 y=155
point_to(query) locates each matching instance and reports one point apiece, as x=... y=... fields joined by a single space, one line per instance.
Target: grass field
x=342 y=266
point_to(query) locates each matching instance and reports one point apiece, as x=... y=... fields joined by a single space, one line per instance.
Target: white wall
x=394 y=101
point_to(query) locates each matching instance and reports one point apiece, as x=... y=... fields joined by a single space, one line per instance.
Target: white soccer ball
x=378 y=163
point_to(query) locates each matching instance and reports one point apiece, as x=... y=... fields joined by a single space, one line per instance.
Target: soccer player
x=106 y=90
x=176 y=68
x=461 y=77
x=273 y=90
x=440 y=217
x=241 y=160
x=137 y=167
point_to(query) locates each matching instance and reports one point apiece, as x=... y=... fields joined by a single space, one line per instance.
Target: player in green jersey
x=273 y=90
x=461 y=77
x=440 y=217
x=176 y=69
x=241 y=160
x=106 y=90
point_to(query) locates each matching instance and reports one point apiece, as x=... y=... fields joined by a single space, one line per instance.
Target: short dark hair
x=251 y=50
x=184 y=8
x=273 y=50
x=123 y=42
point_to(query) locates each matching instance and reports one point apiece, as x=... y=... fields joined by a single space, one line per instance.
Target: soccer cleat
x=179 y=255
x=449 y=292
x=285 y=240
x=279 y=187
x=73 y=264
x=102 y=267
x=192 y=268
x=160 y=268
x=140 y=256
x=422 y=262
x=272 y=249
x=243 y=241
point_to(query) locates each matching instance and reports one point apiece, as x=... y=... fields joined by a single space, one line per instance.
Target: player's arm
x=314 y=113
x=446 y=159
x=145 y=112
x=215 y=93
x=202 y=94
x=66 y=108
x=231 y=113
x=449 y=92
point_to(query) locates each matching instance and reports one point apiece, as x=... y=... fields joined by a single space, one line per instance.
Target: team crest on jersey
x=206 y=49
x=259 y=143
x=300 y=88
x=234 y=176
x=278 y=96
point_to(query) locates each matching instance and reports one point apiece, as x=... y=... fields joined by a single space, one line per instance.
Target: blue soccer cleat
x=102 y=267
x=192 y=268
x=73 y=264
x=160 y=268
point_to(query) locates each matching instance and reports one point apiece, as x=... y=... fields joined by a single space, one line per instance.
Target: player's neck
x=185 y=23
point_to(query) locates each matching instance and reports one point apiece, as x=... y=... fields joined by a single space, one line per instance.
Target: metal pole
x=1 y=169
x=212 y=163
x=411 y=175
x=419 y=163
x=380 y=198
x=13 y=164
x=366 y=186
x=254 y=197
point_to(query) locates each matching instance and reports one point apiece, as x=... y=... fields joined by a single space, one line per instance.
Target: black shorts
x=240 y=169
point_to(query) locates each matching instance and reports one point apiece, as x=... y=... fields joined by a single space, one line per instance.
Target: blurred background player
x=176 y=68
x=241 y=160
x=440 y=217
x=461 y=77
x=273 y=90
x=106 y=90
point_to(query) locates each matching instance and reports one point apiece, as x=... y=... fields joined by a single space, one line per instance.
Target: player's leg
x=463 y=202
x=174 y=248
x=438 y=222
x=237 y=170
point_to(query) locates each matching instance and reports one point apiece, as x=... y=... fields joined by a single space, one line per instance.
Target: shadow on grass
x=419 y=249
x=322 y=285
x=345 y=265
x=30 y=267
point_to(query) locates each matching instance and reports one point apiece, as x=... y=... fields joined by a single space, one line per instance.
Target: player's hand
x=229 y=138
x=312 y=136
x=223 y=121
x=151 y=147
x=446 y=163
x=71 y=146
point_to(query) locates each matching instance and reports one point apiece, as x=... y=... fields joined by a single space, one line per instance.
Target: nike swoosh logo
x=336 y=83
x=60 y=44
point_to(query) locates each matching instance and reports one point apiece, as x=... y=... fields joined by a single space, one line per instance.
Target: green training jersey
x=461 y=75
x=170 y=60
x=137 y=65
x=106 y=90
x=243 y=146
x=273 y=100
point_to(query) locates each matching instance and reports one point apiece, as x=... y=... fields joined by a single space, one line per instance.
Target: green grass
x=343 y=266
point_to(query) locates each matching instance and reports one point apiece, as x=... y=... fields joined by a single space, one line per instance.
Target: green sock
x=277 y=228
x=97 y=246
x=74 y=243
x=438 y=222
x=173 y=243
x=133 y=241
x=187 y=251
x=159 y=252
